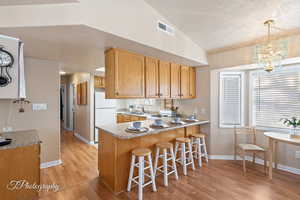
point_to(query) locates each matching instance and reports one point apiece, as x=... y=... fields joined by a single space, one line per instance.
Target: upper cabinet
x=192 y=72
x=129 y=75
x=185 y=82
x=124 y=74
x=99 y=82
x=152 y=77
x=188 y=82
x=164 y=80
x=175 y=81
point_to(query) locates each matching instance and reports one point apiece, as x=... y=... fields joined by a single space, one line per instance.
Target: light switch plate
x=39 y=106
x=7 y=129
x=298 y=154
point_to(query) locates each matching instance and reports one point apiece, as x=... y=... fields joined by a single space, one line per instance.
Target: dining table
x=274 y=138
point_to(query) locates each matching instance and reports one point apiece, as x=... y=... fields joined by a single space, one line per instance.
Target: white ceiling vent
x=165 y=28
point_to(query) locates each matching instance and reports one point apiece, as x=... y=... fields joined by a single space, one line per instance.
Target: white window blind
x=231 y=99
x=275 y=96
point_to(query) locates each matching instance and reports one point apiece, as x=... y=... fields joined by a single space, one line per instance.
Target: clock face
x=6 y=58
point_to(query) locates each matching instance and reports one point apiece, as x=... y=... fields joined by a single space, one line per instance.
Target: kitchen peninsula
x=115 y=146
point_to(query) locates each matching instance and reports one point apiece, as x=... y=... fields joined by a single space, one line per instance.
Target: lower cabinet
x=123 y=118
x=19 y=164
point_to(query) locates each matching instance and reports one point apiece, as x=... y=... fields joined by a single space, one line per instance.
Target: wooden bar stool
x=181 y=145
x=141 y=153
x=165 y=146
x=198 y=141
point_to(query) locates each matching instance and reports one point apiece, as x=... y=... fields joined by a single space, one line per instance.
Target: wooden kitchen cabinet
x=192 y=82
x=152 y=77
x=175 y=81
x=164 y=79
x=123 y=118
x=99 y=82
x=18 y=164
x=184 y=82
x=124 y=74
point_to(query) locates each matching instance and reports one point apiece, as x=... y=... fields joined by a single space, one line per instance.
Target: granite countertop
x=118 y=130
x=21 y=139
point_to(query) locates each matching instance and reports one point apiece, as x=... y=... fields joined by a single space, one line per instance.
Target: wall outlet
x=7 y=129
x=298 y=154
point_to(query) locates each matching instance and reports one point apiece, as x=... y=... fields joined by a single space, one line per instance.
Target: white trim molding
x=50 y=164
x=257 y=161
x=83 y=139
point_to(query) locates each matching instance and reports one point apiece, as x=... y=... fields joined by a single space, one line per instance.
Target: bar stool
x=165 y=146
x=198 y=140
x=141 y=153
x=181 y=145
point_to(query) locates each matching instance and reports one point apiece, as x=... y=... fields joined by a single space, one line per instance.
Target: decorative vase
x=293 y=133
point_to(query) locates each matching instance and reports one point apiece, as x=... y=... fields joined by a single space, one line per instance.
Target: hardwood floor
x=220 y=180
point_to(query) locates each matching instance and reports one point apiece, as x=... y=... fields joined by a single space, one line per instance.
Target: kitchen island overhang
x=115 y=146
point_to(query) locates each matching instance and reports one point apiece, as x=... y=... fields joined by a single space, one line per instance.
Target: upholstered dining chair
x=242 y=149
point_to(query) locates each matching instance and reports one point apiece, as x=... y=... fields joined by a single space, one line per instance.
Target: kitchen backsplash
x=186 y=107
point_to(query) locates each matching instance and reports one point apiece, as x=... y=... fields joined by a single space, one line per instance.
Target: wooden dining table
x=274 y=138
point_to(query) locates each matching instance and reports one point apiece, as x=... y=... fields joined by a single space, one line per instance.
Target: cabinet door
x=192 y=71
x=164 y=79
x=129 y=75
x=152 y=71
x=175 y=81
x=185 y=82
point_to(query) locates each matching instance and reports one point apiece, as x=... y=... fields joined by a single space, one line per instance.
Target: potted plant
x=293 y=123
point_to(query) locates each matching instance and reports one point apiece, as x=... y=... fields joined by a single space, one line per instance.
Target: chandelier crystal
x=270 y=54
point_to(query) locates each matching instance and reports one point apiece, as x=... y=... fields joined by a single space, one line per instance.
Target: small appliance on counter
x=4 y=141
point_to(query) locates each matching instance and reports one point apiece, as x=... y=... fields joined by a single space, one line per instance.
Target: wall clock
x=6 y=62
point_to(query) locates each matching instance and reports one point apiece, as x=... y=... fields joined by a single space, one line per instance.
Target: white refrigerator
x=105 y=110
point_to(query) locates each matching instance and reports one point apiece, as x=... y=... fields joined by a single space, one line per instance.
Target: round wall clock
x=6 y=62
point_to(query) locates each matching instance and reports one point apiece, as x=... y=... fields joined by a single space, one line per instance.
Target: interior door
x=175 y=81
x=152 y=82
x=130 y=75
x=164 y=79
x=184 y=82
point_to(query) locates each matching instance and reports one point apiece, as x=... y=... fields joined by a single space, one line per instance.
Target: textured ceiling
x=28 y=2
x=216 y=24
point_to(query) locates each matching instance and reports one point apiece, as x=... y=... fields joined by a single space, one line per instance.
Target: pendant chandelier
x=270 y=54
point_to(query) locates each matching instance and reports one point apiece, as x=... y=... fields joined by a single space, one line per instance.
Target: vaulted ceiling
x=216 y=24
x=30 y=2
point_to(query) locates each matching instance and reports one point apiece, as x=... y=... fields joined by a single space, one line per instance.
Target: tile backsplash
x=186 y=107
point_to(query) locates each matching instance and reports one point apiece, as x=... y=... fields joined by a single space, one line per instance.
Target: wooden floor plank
x=221 y=180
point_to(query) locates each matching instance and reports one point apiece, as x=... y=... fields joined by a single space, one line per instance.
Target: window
x=275 y=96
x=231 y=99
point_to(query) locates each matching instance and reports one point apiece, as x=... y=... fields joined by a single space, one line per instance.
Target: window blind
x=276 y=95
x=230 y=99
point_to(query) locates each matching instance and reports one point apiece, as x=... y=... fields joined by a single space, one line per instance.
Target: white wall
x=130 y=19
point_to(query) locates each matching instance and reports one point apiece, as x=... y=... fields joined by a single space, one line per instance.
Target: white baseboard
x=50 y=164
x=257 y=161
x=83 y=139
x=68 y=129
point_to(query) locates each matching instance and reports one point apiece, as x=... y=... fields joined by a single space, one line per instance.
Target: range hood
x=12 y=72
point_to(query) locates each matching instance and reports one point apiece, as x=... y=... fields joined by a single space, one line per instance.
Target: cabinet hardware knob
x=117 y=93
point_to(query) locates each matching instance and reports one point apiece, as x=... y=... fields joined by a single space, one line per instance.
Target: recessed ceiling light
x=62 y=72
x=100 y=69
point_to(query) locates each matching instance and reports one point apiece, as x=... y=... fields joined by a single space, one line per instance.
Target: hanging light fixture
x=270 y=54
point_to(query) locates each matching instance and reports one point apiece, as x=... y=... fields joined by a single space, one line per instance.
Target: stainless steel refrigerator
x=105 y=110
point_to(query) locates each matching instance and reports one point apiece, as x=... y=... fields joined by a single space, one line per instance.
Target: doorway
x=63 y=107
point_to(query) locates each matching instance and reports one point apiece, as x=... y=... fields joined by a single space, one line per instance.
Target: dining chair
x=242 y=149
